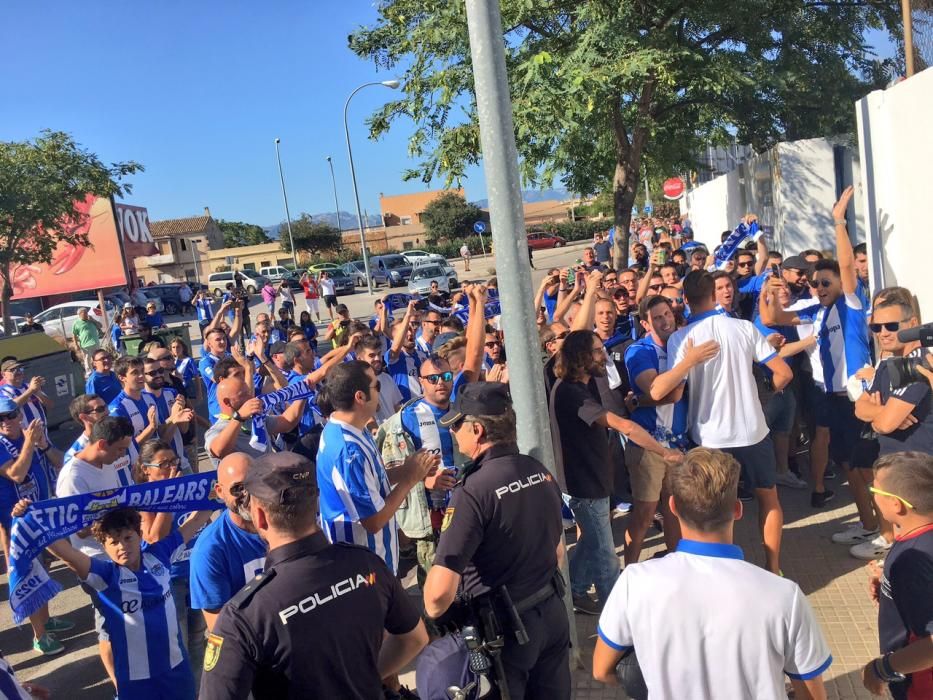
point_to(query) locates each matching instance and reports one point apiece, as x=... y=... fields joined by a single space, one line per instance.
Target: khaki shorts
x=646 y=473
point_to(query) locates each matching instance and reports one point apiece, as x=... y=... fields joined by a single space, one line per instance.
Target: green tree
x=450 y=216
x=239 y=233
x=309 y=236
x=44 y=184
x=602 y=89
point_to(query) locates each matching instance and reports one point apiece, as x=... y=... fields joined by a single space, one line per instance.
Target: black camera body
x=903 y=370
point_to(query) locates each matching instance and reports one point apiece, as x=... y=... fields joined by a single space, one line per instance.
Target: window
x=190 y=274
x=183 y=243
x=407 y=245
x=285 y=262
x=406 y=220
x=264 y=263
x=250 y=266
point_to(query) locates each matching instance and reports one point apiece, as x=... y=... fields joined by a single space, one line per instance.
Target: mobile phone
x=775 y=270
x=662 y=256
x=421 y=304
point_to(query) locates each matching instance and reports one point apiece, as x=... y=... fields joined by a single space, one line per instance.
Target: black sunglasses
x=890 y=326
x=492 y=343
x=155 y=373
x=13 y=415
x=97 y=409
x=820 y=283
x=441 y=376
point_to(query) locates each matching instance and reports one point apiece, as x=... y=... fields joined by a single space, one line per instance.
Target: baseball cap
x=478 y=399
x=127 y=305
x=281 y=477
x=10 y=365
x=278 y=347
x=8 y=406
x=796 y=262
x=442 y=339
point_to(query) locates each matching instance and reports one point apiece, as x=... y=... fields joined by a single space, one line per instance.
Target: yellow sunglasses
x=892 y=495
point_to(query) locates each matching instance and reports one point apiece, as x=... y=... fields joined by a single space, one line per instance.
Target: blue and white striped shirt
x=205 y=309
x=163 y=403
x=421 y=421
x=841 y=349
x=405 y=373
x=668 y=423
x=354 y=485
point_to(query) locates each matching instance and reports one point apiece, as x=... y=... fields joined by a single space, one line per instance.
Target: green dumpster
x=166 y=335
x=42 y=356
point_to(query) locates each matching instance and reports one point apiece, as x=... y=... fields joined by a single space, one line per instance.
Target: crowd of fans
x=678 y=386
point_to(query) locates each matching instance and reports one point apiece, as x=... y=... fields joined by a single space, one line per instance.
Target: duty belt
x=553 y=587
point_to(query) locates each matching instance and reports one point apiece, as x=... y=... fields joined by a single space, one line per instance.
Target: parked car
x=276 y=272
x=343 y=283
x=393 y=269
x=424 y=275
x=413 y=256
x=320 y=267
x=539 y=241
x=17 y=321
x=170 y=294
x=438 y=259
x=356 y=271
x=118 y=299
x=58 y=320
x=252 y=282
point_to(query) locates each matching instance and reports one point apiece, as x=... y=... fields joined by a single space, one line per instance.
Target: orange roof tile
x=178 y=227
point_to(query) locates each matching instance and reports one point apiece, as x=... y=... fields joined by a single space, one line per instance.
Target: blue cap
x=443 y=663
x=8 y=405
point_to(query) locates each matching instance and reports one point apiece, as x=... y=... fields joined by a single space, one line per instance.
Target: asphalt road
x=77 y=672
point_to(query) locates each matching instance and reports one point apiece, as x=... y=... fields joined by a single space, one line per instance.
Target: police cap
x=281 y=477
x=478 y=399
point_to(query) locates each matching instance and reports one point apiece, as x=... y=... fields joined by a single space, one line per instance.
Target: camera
x=421 y=304
x=903 y=370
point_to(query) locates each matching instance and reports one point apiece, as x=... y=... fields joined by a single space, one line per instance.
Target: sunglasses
x=440 y=377
x=97 y=409
x=493 y=344
x=9 y=416
x=155 y=373
x=879 y=492
x=890 y=326
x=656 y=287
x=745 y=264
x=820 y=283
x=164 y=464
x=427 y=320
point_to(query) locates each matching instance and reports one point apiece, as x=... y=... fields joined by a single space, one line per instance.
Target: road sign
x=649 y=208
x=674 y=188
x=479 y=227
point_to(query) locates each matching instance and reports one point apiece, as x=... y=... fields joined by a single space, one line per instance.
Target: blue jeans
x=593 y=559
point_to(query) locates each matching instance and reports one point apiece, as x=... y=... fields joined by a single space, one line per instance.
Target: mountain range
x=348 y=220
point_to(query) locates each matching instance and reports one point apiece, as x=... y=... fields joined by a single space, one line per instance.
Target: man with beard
x=402 y=358
x=430 y=325
x=675 y=295
x=228 y=552
x=173 y=416
x=370 y=351
x=215 y=344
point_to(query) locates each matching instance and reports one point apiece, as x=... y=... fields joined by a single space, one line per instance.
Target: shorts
x=759 y=467
x=837 y=413
x=646 y=472
x=780 y=410
x=330 y=300
x=865 y=453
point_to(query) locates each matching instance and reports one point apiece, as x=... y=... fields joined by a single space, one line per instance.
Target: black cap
x=796 y=262
x=478 y=399
x=277 y=348
x=281 y=477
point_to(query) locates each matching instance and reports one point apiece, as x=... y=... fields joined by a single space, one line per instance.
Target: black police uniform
x=502 y=528
x=310 y=626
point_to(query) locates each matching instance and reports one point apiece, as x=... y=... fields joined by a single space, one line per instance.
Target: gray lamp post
x=288 y=218
x=359 y=214
x=330 y=162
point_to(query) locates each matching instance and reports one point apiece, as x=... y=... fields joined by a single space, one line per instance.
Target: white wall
x=714 y=207
x=896 y=150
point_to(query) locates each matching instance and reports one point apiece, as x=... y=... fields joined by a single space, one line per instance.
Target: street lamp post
x=288 y=218
x=356 y=195
x=330 y=162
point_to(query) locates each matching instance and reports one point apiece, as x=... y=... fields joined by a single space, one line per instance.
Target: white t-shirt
x=327 y=287
x=389 y=398
x=706 y=624
x=77 y=477
x=724 y=410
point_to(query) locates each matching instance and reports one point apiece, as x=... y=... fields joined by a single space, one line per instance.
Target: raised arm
x=770 y=308
x=398 y=336
x=475 y=333
x=844 y=254
x=583 y=321
x=565 y=298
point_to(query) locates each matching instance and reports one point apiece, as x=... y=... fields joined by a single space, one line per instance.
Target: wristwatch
x=237 y=417
x=892 y=675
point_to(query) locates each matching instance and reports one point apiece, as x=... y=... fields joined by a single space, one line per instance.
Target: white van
x=252 y=283
x=275 y=273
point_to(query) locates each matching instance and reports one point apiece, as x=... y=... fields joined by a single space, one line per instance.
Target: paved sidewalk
x=835 y=583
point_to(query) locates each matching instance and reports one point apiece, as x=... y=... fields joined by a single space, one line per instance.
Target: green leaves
x=449 y=216
x=239 y=233
x=309 y=236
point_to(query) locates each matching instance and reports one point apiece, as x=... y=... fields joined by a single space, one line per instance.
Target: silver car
x=356 y=272
x=422 y=277
x=438 y=259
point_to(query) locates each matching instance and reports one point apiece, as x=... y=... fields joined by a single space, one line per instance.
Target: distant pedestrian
x=465 y=254
x=86 y=334
x=185 y=295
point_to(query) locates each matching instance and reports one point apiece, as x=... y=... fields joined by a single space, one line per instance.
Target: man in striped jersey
x=403 y=357
x=28 y=396
x=172 y=414
x=358 y=503
x=131 y=402
x=89 y=410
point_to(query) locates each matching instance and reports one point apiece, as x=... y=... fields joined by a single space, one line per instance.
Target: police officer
x=322 y=620
x=502 y=530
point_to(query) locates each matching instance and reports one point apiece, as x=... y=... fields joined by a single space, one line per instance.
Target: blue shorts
x=759 y=467
x=837 y=413
x=780 y=410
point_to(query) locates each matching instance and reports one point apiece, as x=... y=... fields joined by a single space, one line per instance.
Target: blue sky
x=197 y=91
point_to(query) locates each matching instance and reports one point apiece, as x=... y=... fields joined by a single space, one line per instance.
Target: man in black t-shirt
x=581 y=443
x=323 y=620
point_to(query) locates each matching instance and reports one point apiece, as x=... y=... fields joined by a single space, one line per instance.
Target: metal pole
x=500 y=160
x=330 y=162
x=194 y=258
x=908 y=38
x=288 y=217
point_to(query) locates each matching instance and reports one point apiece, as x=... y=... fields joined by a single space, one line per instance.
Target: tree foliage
x=239 y=233
x=309 y=236
x=44 y=184
x=602 y=89
x=450 y=216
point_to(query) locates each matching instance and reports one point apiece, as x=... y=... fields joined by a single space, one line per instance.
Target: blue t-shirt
x=864 y=295
x=354 y=485
x=668 y=423
x=106 y=386
x=116 y=337
x=155 y=320
x=404 y=371
x=181 y=559
x=223 y=560
x=148 y=652
x=35 y=486
x=206 y=370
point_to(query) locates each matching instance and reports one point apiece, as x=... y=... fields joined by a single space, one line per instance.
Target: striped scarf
x=293 y=392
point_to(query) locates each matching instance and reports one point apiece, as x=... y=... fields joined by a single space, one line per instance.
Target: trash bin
x=42 y=356
x=166 y=335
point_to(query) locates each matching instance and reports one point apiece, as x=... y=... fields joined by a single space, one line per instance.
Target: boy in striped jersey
x=131 y=403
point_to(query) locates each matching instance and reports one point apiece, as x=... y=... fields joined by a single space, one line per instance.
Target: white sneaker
x=873 y=549
x=790 y=480
x=623 y=508
x=854 y=534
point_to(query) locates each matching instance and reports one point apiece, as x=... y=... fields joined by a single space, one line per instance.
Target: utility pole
x=500 y=161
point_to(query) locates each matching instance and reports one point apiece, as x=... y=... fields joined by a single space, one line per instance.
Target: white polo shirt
x=724 y=410
x=706 y=624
